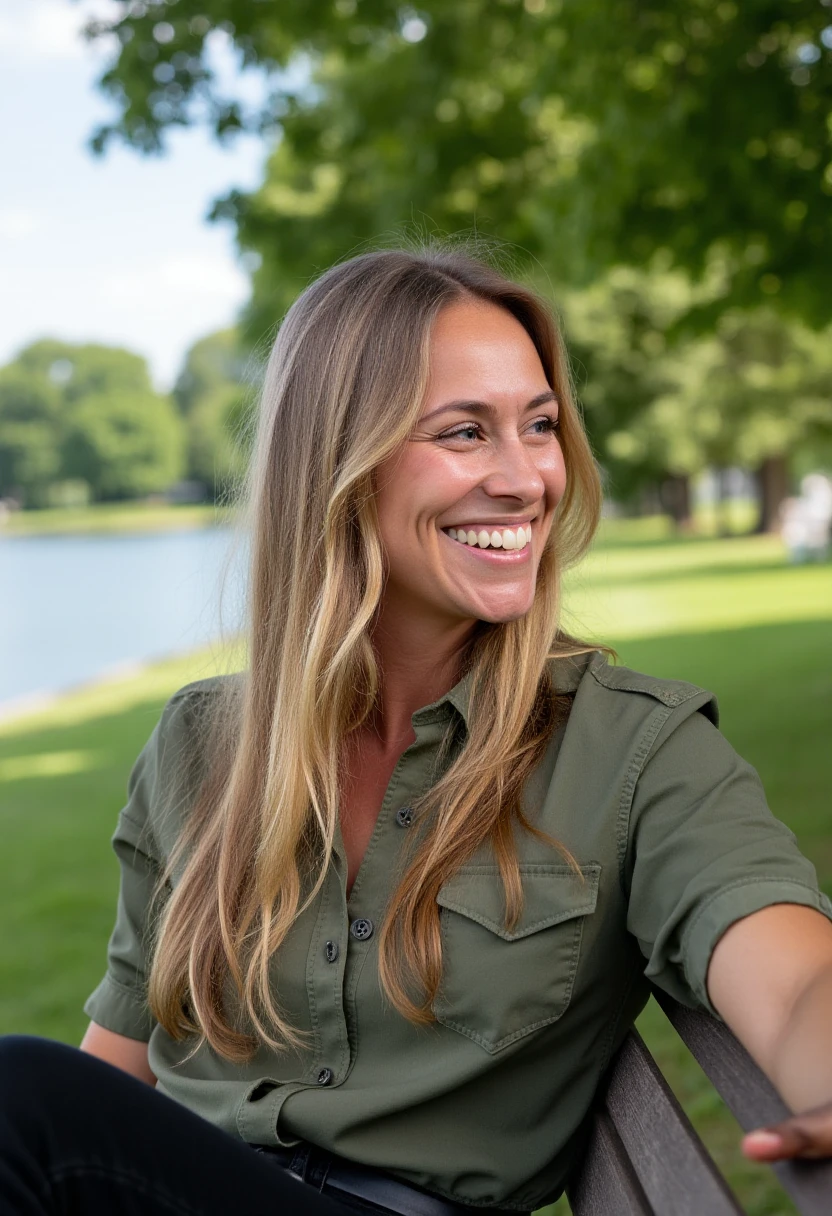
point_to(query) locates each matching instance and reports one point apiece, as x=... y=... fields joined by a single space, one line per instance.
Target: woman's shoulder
x=594 y=679
x=184 y=727
x=175 y=760
x=197 y=701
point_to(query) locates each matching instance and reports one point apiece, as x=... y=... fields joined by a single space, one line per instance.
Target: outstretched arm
x=770 y=979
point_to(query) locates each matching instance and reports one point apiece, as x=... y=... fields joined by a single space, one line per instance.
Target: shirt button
x=331 y=951
x=325 y=1076
x=362 y=929
x=404 y=816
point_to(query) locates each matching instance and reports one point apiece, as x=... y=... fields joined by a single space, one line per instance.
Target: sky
x=113 y=249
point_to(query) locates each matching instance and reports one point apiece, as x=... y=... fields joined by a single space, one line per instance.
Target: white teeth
x=507 y=538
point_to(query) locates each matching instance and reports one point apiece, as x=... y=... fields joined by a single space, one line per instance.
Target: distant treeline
x=83 y=423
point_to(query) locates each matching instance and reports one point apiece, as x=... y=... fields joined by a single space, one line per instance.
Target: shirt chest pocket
x=499 y=985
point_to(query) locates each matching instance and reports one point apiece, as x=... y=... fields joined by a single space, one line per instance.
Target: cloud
x=185 y=277
x=49 y=29
x=164 y=306
x=17 y=222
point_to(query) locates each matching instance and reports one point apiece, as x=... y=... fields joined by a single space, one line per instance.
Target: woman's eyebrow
x=483 y=407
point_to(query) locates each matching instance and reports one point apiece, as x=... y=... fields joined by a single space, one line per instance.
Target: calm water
x=72 y=607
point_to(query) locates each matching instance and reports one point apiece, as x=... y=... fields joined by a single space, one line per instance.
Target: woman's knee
x=28 y=1063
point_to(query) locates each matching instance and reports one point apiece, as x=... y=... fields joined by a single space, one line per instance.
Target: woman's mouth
x=492 y=538
x=496 y=544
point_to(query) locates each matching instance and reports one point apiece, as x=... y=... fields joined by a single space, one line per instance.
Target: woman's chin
x=497 y=613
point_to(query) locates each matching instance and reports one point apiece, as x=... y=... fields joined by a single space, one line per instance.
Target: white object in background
x=805 y=521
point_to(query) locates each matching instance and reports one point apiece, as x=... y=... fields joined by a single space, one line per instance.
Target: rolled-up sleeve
x=704 y=851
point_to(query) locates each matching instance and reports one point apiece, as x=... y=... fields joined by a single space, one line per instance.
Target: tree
x=591 y=134
x=124 y=446
x=214 y=394
x=30 y=436
x=748 y=395
x=86 y=412
x=215 y=360
x=623 y=361
x=85 y=369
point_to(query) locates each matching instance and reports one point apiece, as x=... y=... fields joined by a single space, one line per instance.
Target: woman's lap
x=80 y=1136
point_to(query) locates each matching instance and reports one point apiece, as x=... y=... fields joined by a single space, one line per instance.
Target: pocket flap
x=552 y=893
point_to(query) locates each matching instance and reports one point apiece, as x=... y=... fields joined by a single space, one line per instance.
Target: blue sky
x=113 y=249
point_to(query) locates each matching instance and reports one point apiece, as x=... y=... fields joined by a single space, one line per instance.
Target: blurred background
x=176 y=172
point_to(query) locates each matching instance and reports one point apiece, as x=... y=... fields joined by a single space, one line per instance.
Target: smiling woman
x=393 y=896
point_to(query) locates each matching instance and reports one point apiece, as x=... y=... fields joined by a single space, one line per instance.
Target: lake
x=73 y=607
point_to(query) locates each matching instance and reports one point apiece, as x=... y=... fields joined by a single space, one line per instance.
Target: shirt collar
x=566 y=674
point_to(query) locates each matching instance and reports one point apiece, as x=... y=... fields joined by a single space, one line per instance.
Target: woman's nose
x=514 y=473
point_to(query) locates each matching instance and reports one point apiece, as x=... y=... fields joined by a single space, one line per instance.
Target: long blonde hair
x=344 y=388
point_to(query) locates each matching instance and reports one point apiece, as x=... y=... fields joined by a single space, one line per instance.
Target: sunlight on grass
x=49 y=764
x=692 y=586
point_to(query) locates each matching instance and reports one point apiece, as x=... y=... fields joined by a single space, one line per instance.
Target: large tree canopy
x=589 y=133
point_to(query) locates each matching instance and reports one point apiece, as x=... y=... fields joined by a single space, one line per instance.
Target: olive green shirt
x=675 y=841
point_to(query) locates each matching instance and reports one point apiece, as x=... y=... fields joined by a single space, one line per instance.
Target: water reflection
x=72 y=607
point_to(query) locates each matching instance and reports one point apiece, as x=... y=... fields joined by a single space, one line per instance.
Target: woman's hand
x=806 y=1135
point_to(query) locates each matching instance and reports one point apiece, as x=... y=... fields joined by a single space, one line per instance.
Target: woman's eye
x=474 y=430
x=549 y=423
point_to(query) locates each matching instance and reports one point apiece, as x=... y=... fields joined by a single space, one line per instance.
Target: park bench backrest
x=643 y=1157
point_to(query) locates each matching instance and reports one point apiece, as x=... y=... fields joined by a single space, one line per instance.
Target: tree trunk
x=674 y=494
x=723 y=501
x=772 y=486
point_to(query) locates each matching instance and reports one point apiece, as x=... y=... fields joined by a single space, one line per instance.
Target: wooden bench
x=643 y=1157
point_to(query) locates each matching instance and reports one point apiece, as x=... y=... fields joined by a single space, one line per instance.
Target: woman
x=391 y=900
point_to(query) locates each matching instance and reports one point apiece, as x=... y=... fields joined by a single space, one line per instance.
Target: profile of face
x=467 y=503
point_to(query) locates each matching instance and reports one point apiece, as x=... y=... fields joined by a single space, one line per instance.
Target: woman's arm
x=128 y=1054
x=770 y=978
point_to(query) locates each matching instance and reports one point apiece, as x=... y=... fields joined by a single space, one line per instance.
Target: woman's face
x=484 y=458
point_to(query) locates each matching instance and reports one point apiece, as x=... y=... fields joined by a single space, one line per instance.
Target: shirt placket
x=381 y=865
x=345 y=936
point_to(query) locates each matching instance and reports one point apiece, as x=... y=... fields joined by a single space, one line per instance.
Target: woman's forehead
x=473 y=343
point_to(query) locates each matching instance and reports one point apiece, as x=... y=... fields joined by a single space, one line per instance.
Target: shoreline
x=129 y=680
x=32 y=703
x=113 y=519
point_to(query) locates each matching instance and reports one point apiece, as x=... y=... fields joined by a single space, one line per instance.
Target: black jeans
x=81 y=1138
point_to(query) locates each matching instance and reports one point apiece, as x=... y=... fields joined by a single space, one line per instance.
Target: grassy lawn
x=728 y=614
x=111 y=517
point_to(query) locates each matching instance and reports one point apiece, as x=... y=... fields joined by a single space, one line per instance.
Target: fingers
x=806 y=1135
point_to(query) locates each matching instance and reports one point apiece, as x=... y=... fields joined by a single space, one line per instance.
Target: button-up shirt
x=674 y=841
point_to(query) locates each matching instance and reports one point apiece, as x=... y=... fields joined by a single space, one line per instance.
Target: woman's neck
x=419 y=662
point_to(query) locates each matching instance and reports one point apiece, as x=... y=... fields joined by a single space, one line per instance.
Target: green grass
x=730 y=615
x=111 y=517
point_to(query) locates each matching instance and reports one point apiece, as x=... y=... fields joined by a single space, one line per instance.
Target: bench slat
x=607 y=1184
x=672 y=1165
x=749 y=1095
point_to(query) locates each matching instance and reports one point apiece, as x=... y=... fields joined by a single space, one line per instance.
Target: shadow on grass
x=680 y=574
